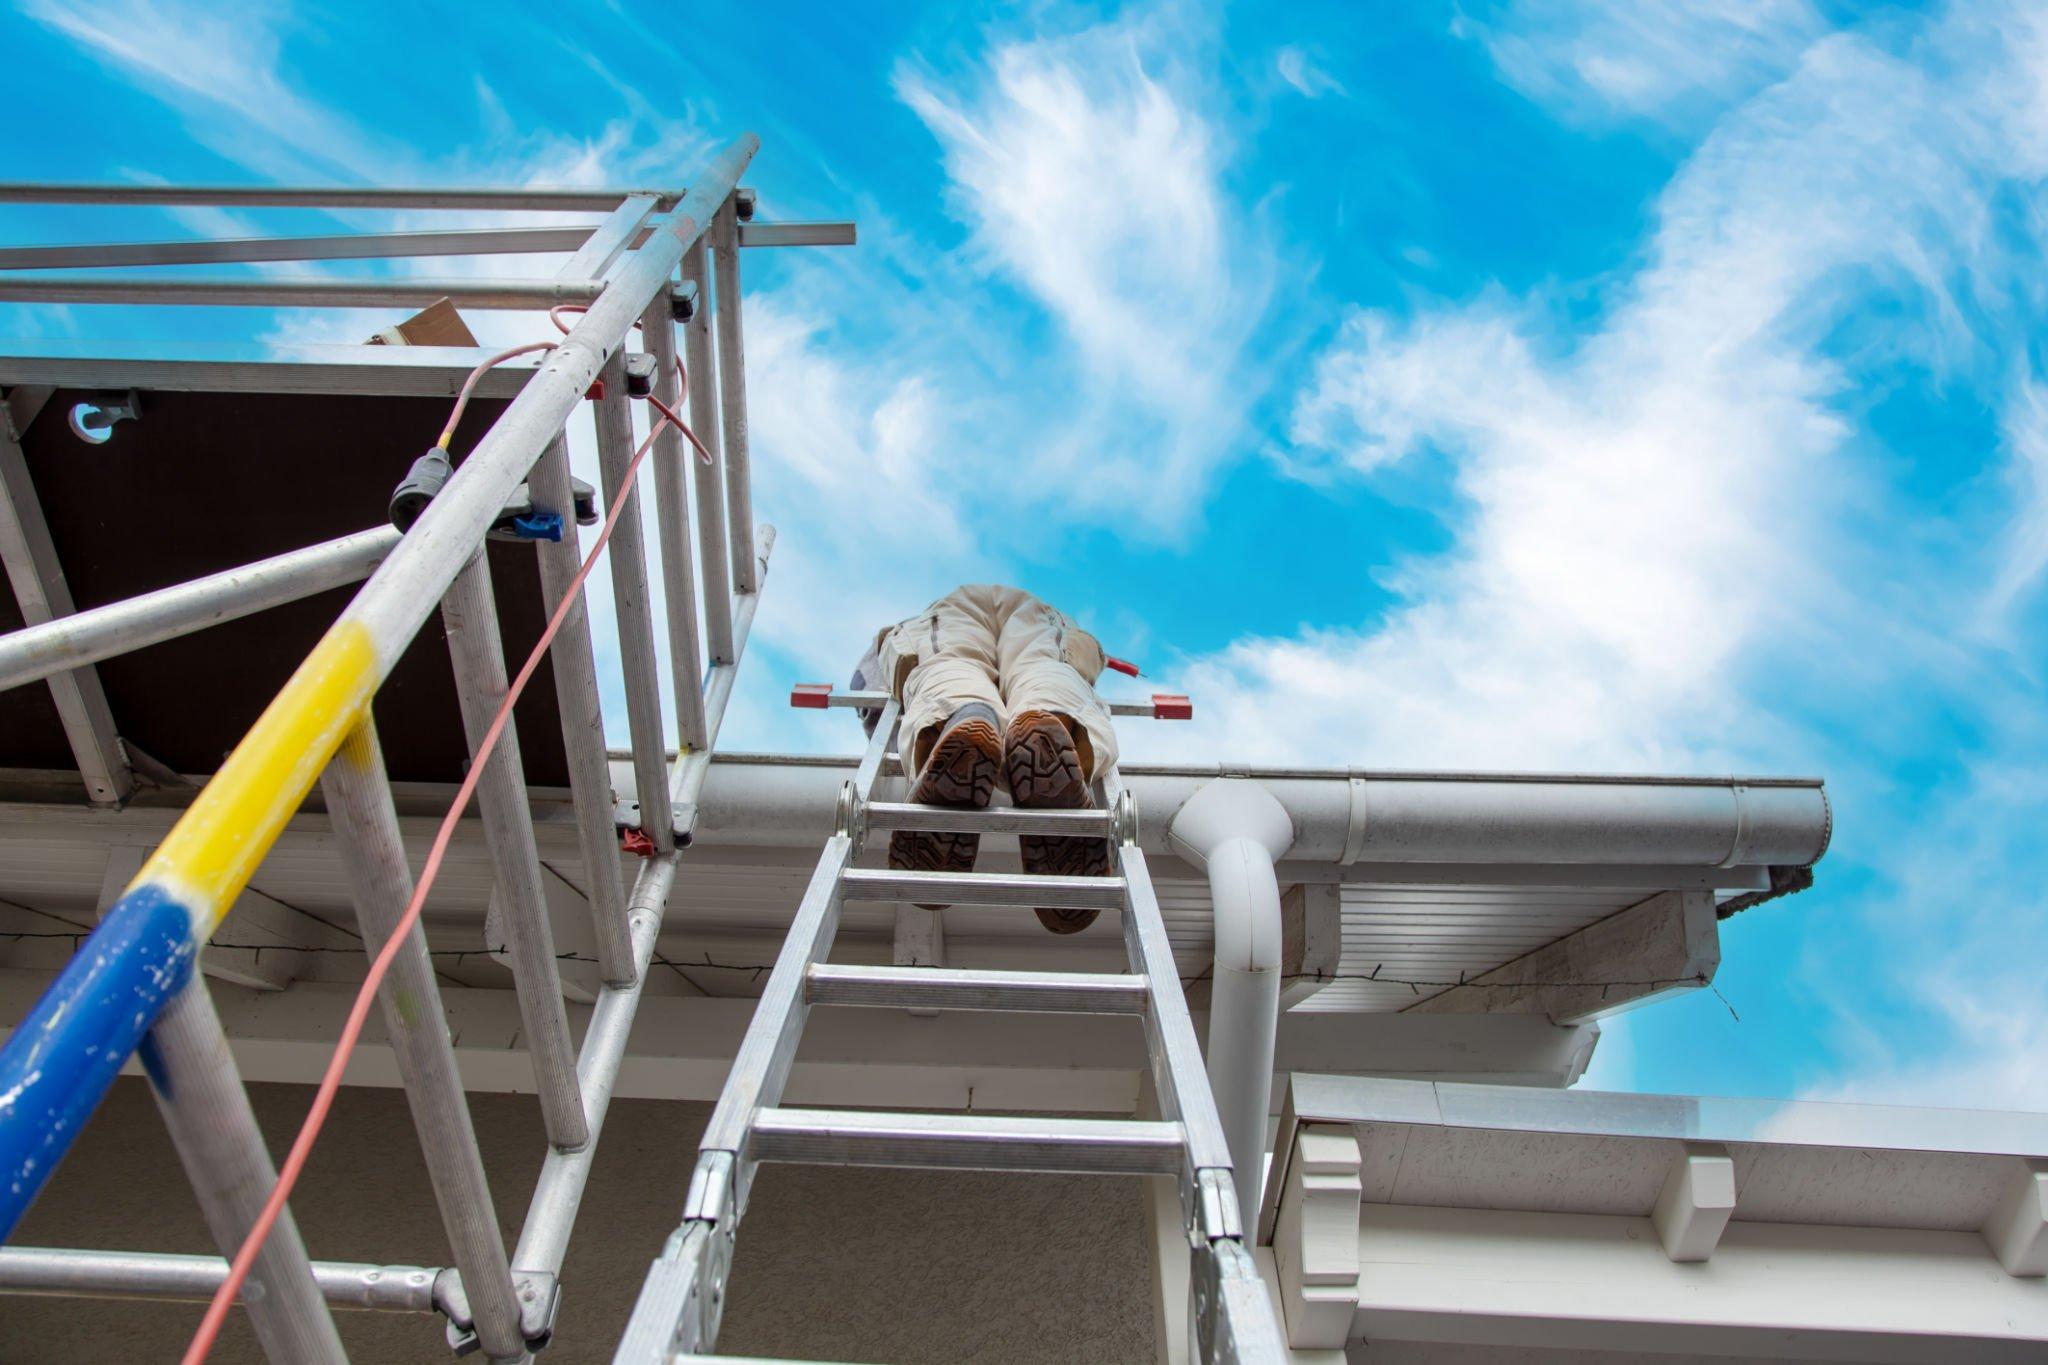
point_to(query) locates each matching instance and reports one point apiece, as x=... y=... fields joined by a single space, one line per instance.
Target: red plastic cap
x=595 y=391
x=636 y=842
x=1123 y=666
x=1172 y=706
x=811 y=696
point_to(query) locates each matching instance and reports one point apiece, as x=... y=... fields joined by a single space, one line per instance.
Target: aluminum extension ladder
x=683 y=1298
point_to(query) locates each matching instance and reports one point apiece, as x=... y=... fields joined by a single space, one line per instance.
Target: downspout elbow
x=1236 y=830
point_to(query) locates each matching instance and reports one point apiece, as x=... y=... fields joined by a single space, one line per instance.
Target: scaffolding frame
x=644 y=265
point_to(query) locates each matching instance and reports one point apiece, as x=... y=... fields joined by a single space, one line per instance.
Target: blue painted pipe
x=57 y=1067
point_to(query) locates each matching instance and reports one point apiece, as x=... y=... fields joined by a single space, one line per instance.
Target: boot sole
x=1044 y=772
x=961 y=773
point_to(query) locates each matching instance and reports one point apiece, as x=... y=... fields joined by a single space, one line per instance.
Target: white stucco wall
x=833 y=1264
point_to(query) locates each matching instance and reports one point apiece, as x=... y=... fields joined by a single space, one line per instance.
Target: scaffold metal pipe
x=85 y=637
x=692 y=769
x=732 y=397
x=672 y=532
x=544 y=1240
x=701 y=357
x=65 y=1273
x=470 y=613
x=358 y=793
x=59 y=1062
x=329 y=196
x=207 y=1112
x=576 y=698
x=277 y=291
x=631 y=605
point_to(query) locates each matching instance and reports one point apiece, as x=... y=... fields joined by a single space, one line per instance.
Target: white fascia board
x=1601 y=1282
x=682 y=1047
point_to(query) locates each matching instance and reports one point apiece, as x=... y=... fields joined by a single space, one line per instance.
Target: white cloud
x=854 y=463
x=1091 y=182
x=1300 y=70
x=1961 y=937
x=2025 y=554
x=1091 y=178
x=1663 y=58
x=1647 y=510
x=222 y=68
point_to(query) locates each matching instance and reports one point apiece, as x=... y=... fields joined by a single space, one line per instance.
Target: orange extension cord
x=309 y=1132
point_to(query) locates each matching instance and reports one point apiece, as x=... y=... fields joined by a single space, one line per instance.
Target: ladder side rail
x=1170 y=1030
x=760 y=1068
x=881 y=751
x=715 y=564
x=1231 y=1316
x=198 y=1090
x=59 y=1063
x=683 y=1296
x=470 y=612
x=635 y=613
x=574 y=661
x=358 y=795
x=732 y=395
x=550 y=1217
x=672 y=531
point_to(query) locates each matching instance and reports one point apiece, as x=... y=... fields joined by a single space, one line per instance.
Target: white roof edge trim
x=1329 y=774
x=1695 y=1118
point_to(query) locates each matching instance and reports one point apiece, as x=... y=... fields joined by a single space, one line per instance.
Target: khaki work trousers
x=1004 y=648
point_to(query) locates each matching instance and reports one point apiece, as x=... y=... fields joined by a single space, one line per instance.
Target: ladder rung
x=883 y=815
x=976 y=1142
x=950 y=988
x=984 y=888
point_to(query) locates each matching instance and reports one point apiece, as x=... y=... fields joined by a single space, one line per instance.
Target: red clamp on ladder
x=1172 y=706
x=811 y=696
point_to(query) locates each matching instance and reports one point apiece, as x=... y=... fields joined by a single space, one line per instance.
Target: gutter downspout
x=1235 y=829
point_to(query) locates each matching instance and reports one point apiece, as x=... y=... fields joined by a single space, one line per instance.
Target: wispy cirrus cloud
x=222 y=68
x=1305 y=73
x=1961 y=917
x=2025 y=554
x=1682 y=539
x=1092 y=177
x=1665 y=59
x=1648 y=506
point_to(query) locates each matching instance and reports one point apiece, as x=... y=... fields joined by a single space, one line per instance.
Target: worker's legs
x=1047 y=663
x=938 y=661
x=1058 y=737
x=942 y=666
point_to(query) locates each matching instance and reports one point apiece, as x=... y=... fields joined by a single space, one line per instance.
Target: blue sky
x=1531 y=385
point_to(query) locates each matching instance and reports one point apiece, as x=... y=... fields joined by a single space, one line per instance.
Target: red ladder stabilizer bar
x=819 y=696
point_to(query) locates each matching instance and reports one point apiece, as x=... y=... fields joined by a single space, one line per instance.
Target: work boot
x=960 y=771
x=1044 y=768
